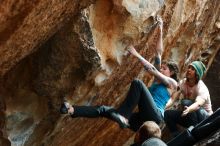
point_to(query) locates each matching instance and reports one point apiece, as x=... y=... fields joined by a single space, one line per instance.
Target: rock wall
x=56 y=50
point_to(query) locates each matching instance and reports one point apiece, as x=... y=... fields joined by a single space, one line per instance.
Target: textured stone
x=35 y=22
x=75 y=49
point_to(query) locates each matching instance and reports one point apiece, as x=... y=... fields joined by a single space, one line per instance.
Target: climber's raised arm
x=159 y=46
x=152 y=69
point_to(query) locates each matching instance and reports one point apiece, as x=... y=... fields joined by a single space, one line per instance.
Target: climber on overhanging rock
x=151 y=101
x=196 y=100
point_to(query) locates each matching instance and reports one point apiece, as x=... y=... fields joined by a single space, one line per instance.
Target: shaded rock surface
x=51 y=50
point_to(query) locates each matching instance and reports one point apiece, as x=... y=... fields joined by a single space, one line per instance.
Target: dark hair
x=147 y=130
x=63 y=109
x=172 y=67
x=197 y=78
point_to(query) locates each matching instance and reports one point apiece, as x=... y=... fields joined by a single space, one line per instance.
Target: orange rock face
x=76 y=49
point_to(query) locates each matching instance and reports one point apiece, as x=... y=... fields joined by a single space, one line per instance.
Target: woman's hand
x=159 y=21
x=195 y=106
x=186 y=111
x=132 y=50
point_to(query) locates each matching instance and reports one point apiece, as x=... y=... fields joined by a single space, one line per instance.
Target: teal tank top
x=160 y=95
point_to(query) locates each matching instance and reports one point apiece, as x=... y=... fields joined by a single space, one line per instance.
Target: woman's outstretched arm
x=152 y=69
x=159 y=46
